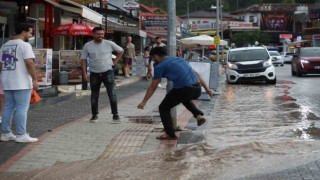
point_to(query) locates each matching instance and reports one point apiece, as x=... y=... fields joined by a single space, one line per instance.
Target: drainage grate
x=145 y=119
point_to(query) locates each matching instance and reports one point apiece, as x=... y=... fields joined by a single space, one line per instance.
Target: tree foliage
x=250 y=37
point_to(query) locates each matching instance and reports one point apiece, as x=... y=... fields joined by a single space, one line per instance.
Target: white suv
x=250 y=64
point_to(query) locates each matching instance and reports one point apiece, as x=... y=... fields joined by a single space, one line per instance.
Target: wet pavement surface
x=258 y=129
x=46 y=119
x=253 y=131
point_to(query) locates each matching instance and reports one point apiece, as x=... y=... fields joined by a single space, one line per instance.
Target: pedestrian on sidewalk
x=18 y=79
x=146 y=56
x=99 y=52
x=186 y=87
x=158 y=43
x=1 y=99
x=129 y=55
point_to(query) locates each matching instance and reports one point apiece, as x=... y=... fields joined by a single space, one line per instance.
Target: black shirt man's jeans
x=107 y=78
x=175 y=97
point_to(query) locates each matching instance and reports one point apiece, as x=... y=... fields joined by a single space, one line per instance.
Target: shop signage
x=240 y=24
x=70 y=62
x=285 y=36
x=43 y=66
x=154 y=23
x=216 y=40
x=130 y=5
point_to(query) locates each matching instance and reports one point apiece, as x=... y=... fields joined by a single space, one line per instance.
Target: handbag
x=34 y=97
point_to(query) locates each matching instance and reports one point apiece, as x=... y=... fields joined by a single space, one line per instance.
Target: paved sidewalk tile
x=82 y=140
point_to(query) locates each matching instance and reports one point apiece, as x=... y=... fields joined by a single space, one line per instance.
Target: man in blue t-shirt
x=186 y=87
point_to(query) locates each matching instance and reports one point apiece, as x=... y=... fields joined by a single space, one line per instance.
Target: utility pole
x=217 y=33
x=188 y=14
x=171 y=47
x=222 y=29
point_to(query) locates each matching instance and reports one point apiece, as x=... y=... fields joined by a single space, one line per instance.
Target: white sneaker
x=8 y=137
x=127 y=76
x=25 y=138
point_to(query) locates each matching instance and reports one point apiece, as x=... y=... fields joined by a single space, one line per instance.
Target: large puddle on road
x=266 y=132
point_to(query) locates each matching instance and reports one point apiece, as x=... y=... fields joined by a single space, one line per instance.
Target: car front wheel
x=292 y=72
x=299 y=73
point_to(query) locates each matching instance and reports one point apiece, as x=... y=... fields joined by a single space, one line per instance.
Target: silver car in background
x=287 y=57
x=276 y=57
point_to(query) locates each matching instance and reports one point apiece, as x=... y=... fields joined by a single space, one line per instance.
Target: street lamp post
x=218 y=8
x=188 y=23
x=222 y=29
x=221 y=22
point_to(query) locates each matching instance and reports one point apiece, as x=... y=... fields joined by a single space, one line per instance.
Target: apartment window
x=251 y=18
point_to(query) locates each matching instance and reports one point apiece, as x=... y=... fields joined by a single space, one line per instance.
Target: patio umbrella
x=203 y=40
x=72 y=29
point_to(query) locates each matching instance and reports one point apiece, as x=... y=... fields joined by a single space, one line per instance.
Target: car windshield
x=248 y=55
x=312 y=52
x=274 y=53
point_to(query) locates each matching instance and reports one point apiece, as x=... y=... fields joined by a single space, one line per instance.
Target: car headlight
x=267 y=63
x=304 y=61
x=232 y=66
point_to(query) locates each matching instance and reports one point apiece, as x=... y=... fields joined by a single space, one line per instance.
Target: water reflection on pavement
x=262 y=129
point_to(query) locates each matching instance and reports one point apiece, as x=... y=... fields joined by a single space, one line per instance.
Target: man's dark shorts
x=127 y=61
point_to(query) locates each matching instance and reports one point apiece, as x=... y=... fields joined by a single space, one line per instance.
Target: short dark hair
x=160 y=51
x=146 y=48
x=20 y=27
x=157 y=38
x=97 y=29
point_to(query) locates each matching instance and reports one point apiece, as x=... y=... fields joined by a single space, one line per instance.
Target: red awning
x=73 y=29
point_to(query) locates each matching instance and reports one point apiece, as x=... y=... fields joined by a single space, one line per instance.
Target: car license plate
x=251 y=75
x=317 y=67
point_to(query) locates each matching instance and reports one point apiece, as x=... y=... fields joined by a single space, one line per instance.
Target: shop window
x=298 y=26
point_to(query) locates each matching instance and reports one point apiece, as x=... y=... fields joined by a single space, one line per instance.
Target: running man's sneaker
x=116 y=117
x=94 y=118
x=8 y=137
x=25 y=138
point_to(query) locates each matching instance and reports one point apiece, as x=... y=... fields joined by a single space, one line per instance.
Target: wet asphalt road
x=258 y=129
